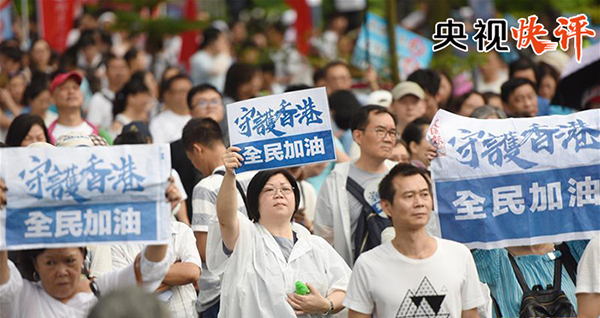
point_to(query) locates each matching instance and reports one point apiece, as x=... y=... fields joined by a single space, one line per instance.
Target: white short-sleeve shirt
x=386 y=283
x=588 y=270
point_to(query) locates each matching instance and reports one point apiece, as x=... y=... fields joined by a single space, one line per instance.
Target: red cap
x=62 y=78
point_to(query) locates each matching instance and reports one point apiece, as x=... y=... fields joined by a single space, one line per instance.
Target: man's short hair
x=414 y=132
x=427 y=79
x=166 y=85
x=200 y=89
x=521 y=64
x=131 y=55
x=332 y=65
x=318 y=75
x=387 y=191
x=109 y=57
x=360 y=120
x=204 y=131
x=511 y=85
x=13 y=53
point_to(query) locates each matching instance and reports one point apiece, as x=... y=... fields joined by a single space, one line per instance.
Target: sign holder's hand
x=3 y=190
x=232 y=159
x=172 y=193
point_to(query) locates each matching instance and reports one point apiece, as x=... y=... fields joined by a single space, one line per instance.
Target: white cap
x=40 y=144
x=381 y=98
x=74 y=139
x=407 y=88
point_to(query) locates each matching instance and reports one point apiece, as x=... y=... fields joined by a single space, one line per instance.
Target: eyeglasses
x=203 y=102
x=381 y=133
x=285 y=190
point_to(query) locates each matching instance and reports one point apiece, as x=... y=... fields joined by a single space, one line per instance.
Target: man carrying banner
x=414 y=273
x=338 y=213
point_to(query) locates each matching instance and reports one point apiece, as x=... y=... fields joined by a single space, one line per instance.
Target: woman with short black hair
x=263 y=256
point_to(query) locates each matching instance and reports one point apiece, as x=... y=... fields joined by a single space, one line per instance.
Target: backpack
x=568 y=261
x=370 y=224
x=537 y=302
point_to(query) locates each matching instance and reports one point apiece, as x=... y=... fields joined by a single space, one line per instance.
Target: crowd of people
x=240 y=242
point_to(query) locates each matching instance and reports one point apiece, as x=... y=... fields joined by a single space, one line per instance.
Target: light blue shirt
x=495 y=270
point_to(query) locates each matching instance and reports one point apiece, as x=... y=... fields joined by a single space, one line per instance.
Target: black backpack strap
x=496 y=306
x=357 y=191
x=238 y=185
x=518 y=273
x=557 y=274
x=568 y=261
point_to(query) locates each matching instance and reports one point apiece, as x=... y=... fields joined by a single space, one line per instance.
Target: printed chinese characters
x=254 y=122
x=541 y=198
x=52 y=180
x=506 y=147
x=76 y=223
x=284 y=150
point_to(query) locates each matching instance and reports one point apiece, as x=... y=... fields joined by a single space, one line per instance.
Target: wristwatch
x=330 y=307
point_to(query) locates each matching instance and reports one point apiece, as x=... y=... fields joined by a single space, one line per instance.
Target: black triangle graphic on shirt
x=417 y=300
x=435 y=302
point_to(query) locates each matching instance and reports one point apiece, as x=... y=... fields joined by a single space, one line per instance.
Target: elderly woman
x=264 y=256
x=55 y=287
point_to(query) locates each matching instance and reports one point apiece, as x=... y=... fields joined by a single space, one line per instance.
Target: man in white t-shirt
x=166 y=127
x=414 y=275
x=203 y=144
x=68 y=99
x=211 y=62
x=588 y=281
x=100 y=106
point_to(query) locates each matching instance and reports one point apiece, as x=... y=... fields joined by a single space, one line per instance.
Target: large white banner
x=507 y=182
x=79 y=196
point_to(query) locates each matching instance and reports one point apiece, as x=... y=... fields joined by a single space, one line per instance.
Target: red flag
x=189 y=38
x=303 y=24
x=55 y=20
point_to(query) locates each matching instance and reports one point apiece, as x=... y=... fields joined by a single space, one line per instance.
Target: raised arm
x=227 y=199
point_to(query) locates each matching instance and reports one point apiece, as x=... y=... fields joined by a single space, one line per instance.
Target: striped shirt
x=204 y=207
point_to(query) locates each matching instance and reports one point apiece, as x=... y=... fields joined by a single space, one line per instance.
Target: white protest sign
x=86 y=195
x=282 y=130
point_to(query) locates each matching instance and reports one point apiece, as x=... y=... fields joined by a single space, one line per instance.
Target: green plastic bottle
x=301 y=288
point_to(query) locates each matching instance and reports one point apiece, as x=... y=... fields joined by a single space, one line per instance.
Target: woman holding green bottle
x=262 y=257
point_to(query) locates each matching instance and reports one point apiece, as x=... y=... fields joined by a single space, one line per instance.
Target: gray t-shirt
x=355 y=207
x=286 y=245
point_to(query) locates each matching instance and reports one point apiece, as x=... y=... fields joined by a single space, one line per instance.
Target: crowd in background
x=129 y=90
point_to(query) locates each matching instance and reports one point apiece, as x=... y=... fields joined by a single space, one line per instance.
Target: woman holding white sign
x=56 y=287
x=266 y=259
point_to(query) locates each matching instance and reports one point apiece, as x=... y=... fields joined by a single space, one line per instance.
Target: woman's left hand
x=3 y=190
x=313 y=303
x=173 y=195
